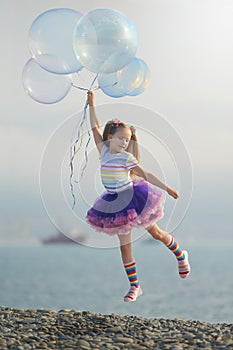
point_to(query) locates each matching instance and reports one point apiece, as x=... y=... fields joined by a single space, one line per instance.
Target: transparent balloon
x=110 y=85
x=51 y=40
x=105 y=40
x=125 y=81
x=43 y=86
x=132 y=75
x=145 y=81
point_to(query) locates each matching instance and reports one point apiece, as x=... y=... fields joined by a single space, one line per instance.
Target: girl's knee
x=155 y=232
x=153 y=229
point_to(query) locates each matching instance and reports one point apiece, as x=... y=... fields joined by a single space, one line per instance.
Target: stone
x=226 y=337
x=83 y=344
x=115 y=329
x=3 y=342
x=123 y=340
x=68 y=329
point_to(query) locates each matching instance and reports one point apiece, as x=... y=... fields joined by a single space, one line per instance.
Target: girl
x=128 y=202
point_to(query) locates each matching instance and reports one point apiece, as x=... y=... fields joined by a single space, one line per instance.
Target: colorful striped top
x=115 y=169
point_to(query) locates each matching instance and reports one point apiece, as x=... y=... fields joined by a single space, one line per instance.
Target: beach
x=23 y=329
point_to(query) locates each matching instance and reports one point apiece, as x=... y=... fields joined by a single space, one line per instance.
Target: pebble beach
x=22 y=329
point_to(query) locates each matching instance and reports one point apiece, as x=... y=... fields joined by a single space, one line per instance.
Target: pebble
x=123 y=340
x=74 y=329
x=83 y=344
x=115 y=329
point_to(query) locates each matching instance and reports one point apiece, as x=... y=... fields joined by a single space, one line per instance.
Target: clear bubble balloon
x=105 y=40
x=145 y=81
x=132 y=75
x=110 y=85
x=43 y=86
x=51 y=40
x=125 y=81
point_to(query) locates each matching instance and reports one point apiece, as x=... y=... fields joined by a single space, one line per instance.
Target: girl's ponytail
x=134 y=148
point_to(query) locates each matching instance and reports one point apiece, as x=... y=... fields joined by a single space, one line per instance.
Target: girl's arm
x=139 y=171
x=94 y=121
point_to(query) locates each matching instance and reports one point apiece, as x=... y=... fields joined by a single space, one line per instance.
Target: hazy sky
x=188 y=46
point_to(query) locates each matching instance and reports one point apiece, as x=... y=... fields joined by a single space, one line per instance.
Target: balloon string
x=89 y=134
x=77 y=144
x=86 y=146
x=74 y=149
x=79 y=87
x=86 y=155
x=85 y=89
x=94 y=80
x=93 y=88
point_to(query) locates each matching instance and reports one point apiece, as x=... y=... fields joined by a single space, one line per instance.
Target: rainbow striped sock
x=130 y=269
x=175 y=249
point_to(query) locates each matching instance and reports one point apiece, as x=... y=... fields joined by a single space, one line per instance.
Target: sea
x=72 y=276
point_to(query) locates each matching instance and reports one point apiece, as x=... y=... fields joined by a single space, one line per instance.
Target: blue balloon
x=132 y=75
x=105 y=40
x=110 y=85
x=145 y=81
x=51 y=40
x=43 y=86
x=131 y=80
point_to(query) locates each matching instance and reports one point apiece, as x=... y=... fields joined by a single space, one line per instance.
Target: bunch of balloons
x=62 y=42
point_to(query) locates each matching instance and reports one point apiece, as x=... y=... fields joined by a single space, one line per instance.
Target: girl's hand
x=172 y=192
x=90 y=98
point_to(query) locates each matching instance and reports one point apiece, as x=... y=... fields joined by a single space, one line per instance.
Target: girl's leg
x=130 y=267
x=169 y=241
x=126 y=248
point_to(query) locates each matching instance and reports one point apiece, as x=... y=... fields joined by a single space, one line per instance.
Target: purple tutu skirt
x=118 y=213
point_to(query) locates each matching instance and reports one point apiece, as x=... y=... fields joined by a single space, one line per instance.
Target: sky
x=188 y=46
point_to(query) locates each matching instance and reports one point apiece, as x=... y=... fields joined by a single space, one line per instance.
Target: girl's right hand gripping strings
x=90 y=98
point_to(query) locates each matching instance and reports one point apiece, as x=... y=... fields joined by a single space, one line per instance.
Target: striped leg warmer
x=181 y=256
x=130 y=269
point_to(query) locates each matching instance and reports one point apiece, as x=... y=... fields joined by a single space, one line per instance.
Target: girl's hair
x=112 y=127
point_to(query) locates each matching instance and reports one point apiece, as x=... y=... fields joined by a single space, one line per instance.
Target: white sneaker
x=133 y=293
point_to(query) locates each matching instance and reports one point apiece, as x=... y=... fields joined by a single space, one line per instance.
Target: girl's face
x=120 y=140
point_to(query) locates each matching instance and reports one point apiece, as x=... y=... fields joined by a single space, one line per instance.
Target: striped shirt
x=115 y=169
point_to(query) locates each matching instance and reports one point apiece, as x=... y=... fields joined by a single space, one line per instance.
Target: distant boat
x=60 y=238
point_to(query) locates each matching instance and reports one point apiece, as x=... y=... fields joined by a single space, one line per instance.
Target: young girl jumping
x=128 y=202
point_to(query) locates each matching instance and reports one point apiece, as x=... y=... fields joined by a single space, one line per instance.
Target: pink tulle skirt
x=118 y=213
